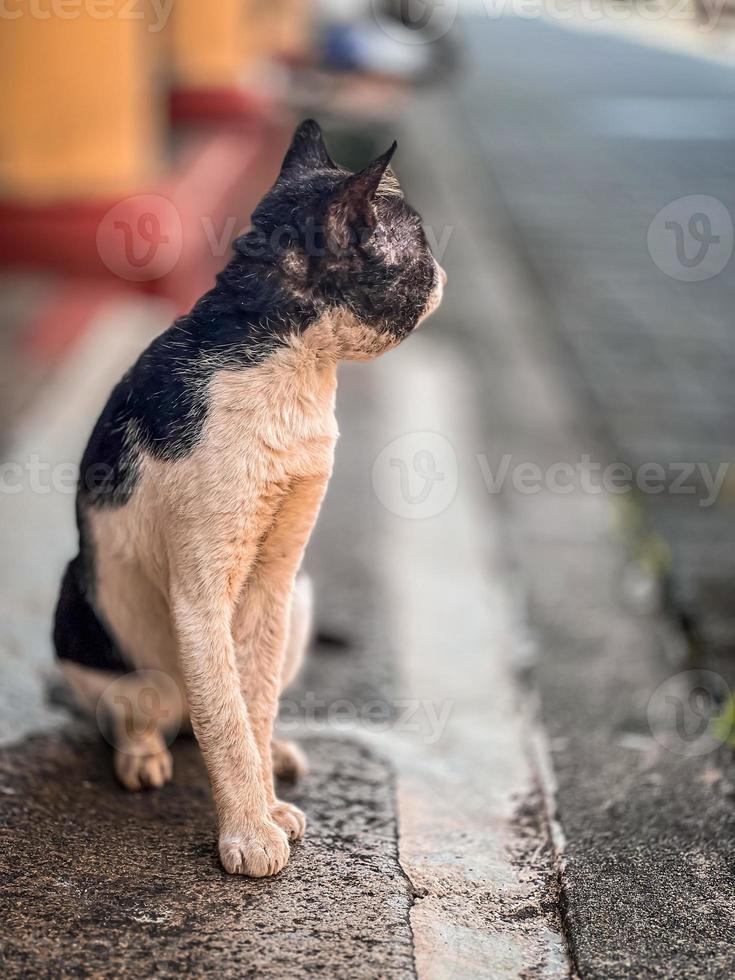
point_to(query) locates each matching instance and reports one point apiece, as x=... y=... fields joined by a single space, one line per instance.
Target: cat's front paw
x=289 y=818
x=257 y=850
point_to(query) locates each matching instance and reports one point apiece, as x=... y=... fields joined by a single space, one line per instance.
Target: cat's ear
x=350 y=215
x=389 y=184
x=307 y=149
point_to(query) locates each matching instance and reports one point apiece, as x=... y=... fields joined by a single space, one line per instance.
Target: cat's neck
x=249 y=306
x=253 y=315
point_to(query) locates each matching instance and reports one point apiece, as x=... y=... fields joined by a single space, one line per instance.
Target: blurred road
x=587 y=137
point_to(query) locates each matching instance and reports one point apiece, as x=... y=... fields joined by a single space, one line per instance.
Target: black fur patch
x=79 y=635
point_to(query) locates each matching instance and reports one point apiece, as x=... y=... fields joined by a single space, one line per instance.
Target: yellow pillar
x=205 y=42
x=294 y=21
x=213 y=44
x=78 y=118
x=275 y=28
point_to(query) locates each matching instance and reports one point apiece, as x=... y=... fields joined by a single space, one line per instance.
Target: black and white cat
x=204 y=475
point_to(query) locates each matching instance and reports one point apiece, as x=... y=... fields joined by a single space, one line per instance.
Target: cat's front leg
x=260 y=637
x=250 y=841
x=261 y=627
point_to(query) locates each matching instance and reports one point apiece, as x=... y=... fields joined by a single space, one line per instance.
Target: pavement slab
x=99 y=882
x=474 y=837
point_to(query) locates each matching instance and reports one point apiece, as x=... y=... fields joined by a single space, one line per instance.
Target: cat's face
x=347 y=246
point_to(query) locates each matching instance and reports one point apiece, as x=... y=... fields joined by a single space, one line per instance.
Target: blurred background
x=573 y=160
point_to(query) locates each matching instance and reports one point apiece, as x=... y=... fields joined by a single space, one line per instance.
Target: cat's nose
x=442 y=275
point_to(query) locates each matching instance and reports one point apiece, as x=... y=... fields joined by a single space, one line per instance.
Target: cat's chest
x=271 y=426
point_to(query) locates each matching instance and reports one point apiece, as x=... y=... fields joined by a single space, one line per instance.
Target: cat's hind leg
x=135 y=708
x=289 y=762
x=139 y=711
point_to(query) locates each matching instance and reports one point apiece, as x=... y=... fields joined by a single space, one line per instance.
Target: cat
x=203 y=478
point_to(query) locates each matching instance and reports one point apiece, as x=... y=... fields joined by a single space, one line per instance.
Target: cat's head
x=347 y=246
